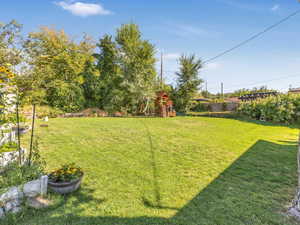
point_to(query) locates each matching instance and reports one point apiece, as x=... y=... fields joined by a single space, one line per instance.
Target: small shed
x=164 y=105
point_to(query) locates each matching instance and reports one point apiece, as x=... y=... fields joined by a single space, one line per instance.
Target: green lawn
x=183 y=171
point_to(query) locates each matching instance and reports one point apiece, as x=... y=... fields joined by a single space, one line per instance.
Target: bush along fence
x=281 y=108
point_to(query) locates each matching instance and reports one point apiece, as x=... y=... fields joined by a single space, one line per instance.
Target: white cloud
x=275 y=8
x=83 y=9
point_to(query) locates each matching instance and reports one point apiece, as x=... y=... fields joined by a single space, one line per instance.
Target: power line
x=267 y=81
x=261 y=82
x=249 y=40
x=253 y=37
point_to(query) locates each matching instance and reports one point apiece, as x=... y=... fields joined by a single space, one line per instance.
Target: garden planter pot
x=65 y=187
x=23 y=129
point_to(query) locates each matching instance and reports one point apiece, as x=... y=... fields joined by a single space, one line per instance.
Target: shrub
x=8 y=147
x=281 y=108
x=43 y=111
x=65 y=96
x=11 y=118
x=199 y=107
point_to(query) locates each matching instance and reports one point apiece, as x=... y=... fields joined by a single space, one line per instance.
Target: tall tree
x=109 y=90
x=188 y=82
x=137 y=60
x=10 y=40
x=127 y=71
x=56 y=67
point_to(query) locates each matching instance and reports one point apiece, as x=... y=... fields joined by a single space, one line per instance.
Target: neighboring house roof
x=201 y=100
x=294 y=90
x=233 y=99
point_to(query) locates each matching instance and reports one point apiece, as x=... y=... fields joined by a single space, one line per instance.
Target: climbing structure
x=164 y=105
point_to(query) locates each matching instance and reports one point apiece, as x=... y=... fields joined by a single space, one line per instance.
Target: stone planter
x=6 y=137
x=65 y=187
x=8 y=157
x=23 y=129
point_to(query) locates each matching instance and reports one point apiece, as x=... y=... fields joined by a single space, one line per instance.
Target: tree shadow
x=266 y=123
x=250 y=191
x=235 y=116
x=253 y=190
x=157 y=204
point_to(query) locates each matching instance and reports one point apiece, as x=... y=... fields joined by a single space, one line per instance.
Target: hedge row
x=281 y=108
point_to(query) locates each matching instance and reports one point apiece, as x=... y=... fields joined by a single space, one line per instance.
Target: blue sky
x=202 y=27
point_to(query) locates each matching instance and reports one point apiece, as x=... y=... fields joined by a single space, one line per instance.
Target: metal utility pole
x=222 y=90
x=161 y=70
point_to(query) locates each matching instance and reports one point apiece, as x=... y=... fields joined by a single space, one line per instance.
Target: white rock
x=8 y=157
x=12 y=205
x=12 y=194
x=32 y=188
x=1 y=213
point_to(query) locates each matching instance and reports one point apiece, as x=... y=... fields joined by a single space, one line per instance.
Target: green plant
x=15 y=174
x=281 y=108
x=199 y=107
x=11 y=118
x=66 y=173
x=8 y=147
x=43 y=110
x=51 y=112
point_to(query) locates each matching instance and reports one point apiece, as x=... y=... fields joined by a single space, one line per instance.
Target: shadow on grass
x=253 y=190
x=235 y=116
x=157 y=204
